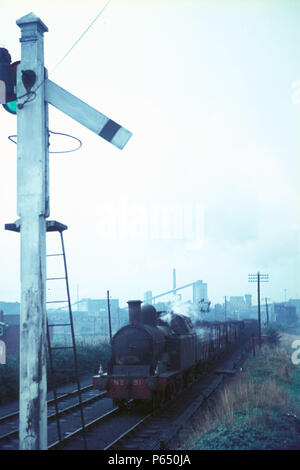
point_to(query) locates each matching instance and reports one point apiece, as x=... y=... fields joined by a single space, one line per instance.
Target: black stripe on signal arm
x=109 y=130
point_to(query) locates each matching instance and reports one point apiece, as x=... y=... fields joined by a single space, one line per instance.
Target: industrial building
x=199 y=292
x=285 y=313
x=90 y=317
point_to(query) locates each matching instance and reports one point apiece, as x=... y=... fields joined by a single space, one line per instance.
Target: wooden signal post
x=33 y=208
x=35 y=91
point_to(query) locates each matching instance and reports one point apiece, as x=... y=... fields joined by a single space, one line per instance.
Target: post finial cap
x=32 y=18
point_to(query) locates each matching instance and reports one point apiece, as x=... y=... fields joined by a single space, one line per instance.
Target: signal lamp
x=8 y=73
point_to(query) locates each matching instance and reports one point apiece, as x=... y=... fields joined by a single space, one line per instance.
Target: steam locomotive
x=153 y=359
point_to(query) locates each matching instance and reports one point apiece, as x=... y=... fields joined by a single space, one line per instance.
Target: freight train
x=154 y=359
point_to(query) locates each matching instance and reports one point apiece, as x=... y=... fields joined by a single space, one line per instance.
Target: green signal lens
x=11 y=107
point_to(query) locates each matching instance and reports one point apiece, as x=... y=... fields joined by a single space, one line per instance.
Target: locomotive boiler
x=153 y=359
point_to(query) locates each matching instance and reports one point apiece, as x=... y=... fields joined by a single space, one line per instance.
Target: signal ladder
x=54 y=226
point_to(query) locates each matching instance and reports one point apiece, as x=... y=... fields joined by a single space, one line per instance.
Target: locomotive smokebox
x=149 y=315
x=134 y=311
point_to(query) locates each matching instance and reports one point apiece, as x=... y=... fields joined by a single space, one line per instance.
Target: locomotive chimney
x=135 y=312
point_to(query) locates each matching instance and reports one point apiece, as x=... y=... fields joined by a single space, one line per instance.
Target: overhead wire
x=81 y=36
x=21 y=105
x=75 y=43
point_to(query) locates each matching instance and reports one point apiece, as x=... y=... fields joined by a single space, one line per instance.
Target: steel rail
x=52 y=417
x=78 y=431
x=50 y=402
x=129 y=431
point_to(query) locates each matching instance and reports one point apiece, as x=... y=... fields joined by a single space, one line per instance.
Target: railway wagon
x=153 y=359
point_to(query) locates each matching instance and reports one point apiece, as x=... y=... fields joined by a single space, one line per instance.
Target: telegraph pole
x=109 y=317
x=33 y=208
x=258 y=307
x=267 y=310
x=225 y=309
x=258 y=278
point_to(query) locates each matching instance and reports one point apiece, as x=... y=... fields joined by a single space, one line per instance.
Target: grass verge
x=254 y=409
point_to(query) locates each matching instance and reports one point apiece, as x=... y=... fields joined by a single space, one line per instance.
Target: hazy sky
x=211 y=92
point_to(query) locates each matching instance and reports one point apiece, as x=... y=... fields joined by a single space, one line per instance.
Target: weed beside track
x=259 y=408
x=88 y=356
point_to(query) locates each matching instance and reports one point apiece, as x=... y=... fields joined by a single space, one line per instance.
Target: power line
x=57 y=65
x=76 y=42
x=81 y=36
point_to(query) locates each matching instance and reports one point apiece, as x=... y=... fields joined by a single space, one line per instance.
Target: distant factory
x=236 y=307
x=90 y=316
x=285 y=312
x=199 y=292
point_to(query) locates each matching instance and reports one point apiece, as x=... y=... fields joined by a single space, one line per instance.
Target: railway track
x=117 y=428
x=99 y=432
x=15 y=414
x=157 y=430
x=77 y=433
x=9 y=433
x=138 y=429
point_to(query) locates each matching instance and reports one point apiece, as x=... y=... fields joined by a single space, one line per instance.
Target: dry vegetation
x=89 y=357
x=250 y=411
